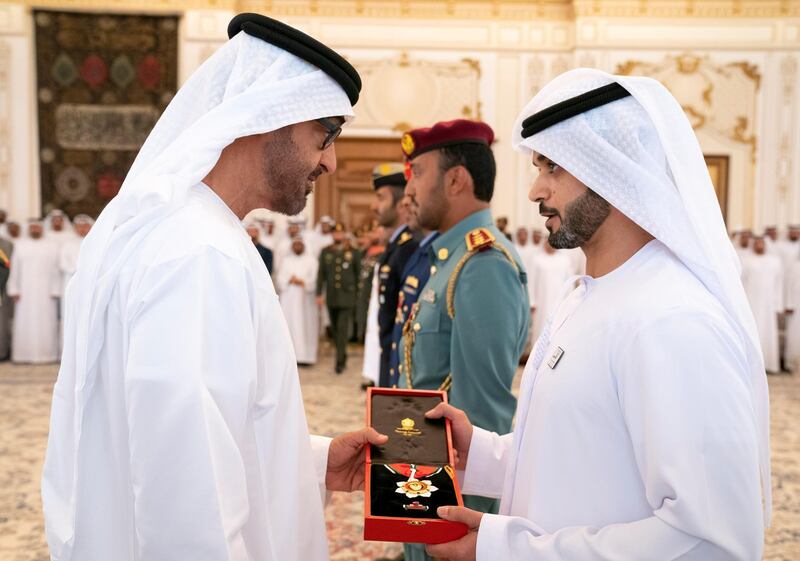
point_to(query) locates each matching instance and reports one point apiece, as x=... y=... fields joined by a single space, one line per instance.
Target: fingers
x=471 y=518
x=444 y=410
x=370 y=436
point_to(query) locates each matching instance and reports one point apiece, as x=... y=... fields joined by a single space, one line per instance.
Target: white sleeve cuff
x=319 y=449
x=486 y=464
x=494 y=537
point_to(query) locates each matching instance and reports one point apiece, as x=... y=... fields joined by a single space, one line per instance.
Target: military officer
x=389 y=182
x=415 y=275
x=468 y=328
x=339 y=270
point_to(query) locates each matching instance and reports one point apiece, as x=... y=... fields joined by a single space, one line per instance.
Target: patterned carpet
x=334 y=404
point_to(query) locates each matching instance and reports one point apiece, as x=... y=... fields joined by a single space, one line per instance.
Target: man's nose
x=328 y=160
x=539 y=191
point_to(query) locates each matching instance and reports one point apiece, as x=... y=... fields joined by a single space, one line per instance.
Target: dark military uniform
x=415 y=275
x=339 y=270
x=364 y=291
x=390 y=279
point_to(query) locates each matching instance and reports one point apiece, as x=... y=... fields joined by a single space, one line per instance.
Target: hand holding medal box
x=411 y=475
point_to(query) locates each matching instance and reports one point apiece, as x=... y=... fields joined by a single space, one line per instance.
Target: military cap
x=388 y=174
x=445 y=133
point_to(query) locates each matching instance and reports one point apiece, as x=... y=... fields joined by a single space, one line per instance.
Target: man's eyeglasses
x=333 y=129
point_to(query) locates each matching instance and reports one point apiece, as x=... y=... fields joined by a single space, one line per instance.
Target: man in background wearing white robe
x=552 y=269
x=33 y=280
x=529 y=256
x=296 y=284
x=58 y=229
x=267 y=237
x=642 y=426
x=323 y=234
x=792 y=348
x=762 y=277
x=68 y=261
x=177 y=427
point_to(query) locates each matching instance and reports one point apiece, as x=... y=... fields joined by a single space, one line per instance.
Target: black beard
x=287 y=176
x=581 y=219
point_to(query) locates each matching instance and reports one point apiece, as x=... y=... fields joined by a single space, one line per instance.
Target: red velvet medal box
x=411 y=475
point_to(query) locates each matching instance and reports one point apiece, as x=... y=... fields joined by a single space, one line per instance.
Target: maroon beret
x=446 y=133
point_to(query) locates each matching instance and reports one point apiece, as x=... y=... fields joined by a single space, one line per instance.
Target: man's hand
x=346 y=459
x=462 y=549
x=461 y=427
x=320 y=301
x=15 y=298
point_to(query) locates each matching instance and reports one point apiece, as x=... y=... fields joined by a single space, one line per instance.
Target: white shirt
x=639 y=443
x=194 y=442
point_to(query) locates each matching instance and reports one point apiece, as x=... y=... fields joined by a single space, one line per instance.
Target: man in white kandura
x=296 y=284
x=68 y=262
x=33 y=280
x=642 y=427
x=177 y=428
x=762 y=277
x=551 y=270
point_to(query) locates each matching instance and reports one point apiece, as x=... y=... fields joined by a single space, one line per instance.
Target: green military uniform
x=364 y=292
x=468 y=329
x=339 y=270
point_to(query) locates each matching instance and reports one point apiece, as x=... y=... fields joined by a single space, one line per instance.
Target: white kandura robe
x=762 y=277
x=793 y=320
x=61 y=237
x=299 y=304
x=194 y=443
x=788 y=252
x=372 y=345
x=34 y=278
x=639 y=444
x=67 y=265
x=550 y=272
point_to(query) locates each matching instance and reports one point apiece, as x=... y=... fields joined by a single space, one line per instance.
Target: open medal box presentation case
x=411 y=475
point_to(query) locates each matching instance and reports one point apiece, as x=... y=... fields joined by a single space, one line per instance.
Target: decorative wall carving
x=463 y=9
x=718 y=97
x=785 y=161
x=405 y=92
x=687 y=8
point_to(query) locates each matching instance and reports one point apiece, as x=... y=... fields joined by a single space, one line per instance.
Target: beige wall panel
x=755 y=34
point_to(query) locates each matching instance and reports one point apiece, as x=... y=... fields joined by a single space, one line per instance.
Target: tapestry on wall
x=102 y=83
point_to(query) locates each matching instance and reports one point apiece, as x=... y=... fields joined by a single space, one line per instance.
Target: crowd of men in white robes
x=771 y=278
x=41 y=257
x=548 y=270
x=295 y=254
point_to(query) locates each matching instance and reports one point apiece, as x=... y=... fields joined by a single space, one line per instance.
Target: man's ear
x=456 y=180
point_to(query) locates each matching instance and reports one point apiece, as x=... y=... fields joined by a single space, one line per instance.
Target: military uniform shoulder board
x=479 y=239
x=404 y=237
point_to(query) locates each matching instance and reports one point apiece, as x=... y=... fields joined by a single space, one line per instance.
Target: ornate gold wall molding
x=718 y=97
x=406 y=92
x=422 y=9
x=465 y=9
x=785 y=162
x=687 y=8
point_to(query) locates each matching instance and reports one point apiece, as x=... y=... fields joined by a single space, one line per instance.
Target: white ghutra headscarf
x=641 y=155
